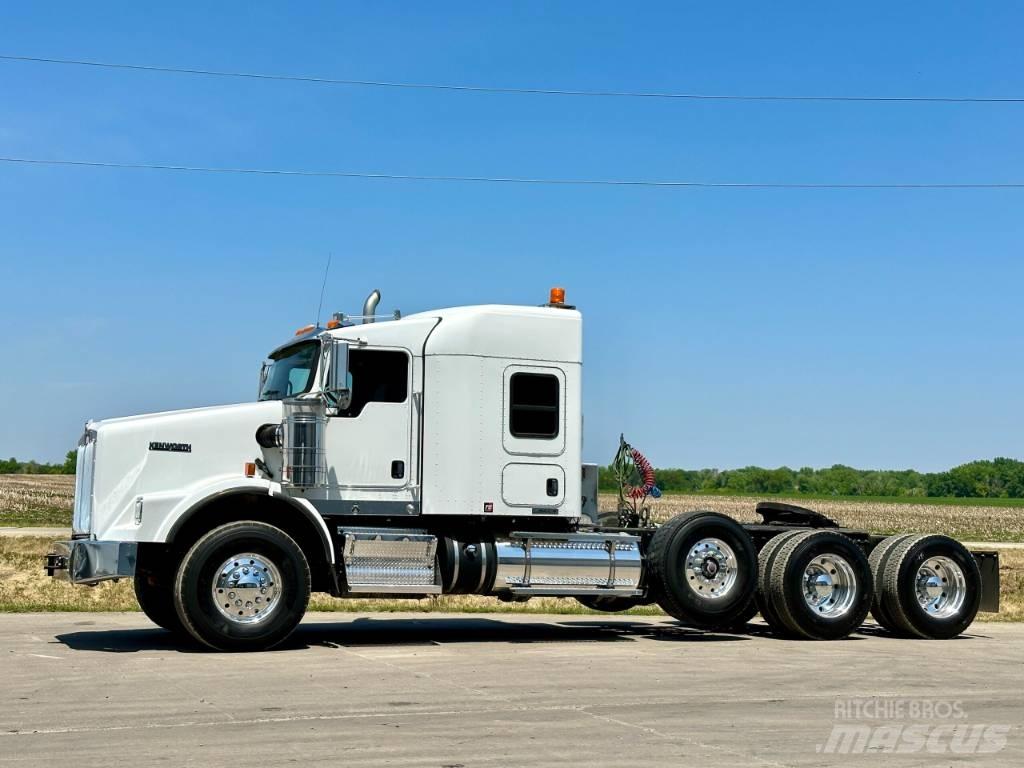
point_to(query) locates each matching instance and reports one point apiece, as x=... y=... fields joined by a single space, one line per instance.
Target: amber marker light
x=304 y=329
x=557 y=296
x=250 y=469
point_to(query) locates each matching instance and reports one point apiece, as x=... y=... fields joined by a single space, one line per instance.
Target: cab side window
x=377 y=376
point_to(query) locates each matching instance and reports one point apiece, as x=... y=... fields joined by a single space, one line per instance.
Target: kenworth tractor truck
x=440 y=453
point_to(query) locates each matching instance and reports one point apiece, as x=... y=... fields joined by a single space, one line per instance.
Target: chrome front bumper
x=83 y=561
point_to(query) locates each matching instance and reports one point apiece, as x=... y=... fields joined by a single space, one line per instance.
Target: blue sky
x=723 y=327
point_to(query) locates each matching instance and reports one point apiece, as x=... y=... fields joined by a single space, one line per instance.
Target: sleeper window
x=534 y=405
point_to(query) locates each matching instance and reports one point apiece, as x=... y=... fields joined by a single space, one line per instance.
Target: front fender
x=164 y=514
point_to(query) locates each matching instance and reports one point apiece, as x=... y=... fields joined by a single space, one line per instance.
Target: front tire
x=705 y=568
x=243 y=586
x=154 y=590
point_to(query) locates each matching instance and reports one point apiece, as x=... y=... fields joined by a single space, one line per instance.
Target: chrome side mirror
x=337 y=387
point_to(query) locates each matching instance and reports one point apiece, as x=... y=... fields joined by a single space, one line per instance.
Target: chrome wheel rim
x=247 y=588
x=829 y=585
x=711 y=569
x=941 y=587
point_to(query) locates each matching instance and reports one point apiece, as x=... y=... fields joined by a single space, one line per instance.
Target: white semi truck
x=440 y=453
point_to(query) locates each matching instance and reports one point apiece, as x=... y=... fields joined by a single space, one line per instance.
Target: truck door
x=370 y=443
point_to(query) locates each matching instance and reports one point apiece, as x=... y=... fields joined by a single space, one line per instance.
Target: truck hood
x=165 y=457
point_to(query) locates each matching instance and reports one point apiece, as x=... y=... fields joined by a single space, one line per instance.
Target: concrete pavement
x=497 y=690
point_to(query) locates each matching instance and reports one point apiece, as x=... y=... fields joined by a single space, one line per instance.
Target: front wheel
x=154 y=590
x=242 y=586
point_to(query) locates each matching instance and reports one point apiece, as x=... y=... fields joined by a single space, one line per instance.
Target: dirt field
x=45 y=500
x=36 y=500
x=968 y=523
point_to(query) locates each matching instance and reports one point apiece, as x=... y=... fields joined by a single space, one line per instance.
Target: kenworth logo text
x=172 y=447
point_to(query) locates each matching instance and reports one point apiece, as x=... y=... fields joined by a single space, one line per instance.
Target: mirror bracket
x=336 y=387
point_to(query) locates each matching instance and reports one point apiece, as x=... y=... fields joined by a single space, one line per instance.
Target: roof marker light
x=305 y=329
x=557 y=296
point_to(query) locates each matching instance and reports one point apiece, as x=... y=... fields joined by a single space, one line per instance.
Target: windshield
x=291 y=371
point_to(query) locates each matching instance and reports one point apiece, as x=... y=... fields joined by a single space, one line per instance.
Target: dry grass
x=45 y=500
x=25 y=587
x=39 y=500
x=967 y=523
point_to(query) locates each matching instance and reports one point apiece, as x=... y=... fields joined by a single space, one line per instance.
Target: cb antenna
x=323 y=287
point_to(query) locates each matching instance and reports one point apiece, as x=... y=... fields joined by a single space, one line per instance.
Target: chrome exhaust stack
x=370 y=305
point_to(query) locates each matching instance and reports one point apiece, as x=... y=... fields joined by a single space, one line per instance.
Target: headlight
x=85 y=469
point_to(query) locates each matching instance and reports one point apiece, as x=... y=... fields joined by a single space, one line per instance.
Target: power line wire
x=510 y=90
x=511 y=179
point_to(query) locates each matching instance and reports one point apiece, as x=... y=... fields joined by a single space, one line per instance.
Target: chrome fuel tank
x=568 y=564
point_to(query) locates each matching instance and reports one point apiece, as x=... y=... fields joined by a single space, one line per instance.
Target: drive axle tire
x=740 y=623
x=765 y=561
x=609 y=603
x=878 y=559
x=705 y=568
x=931 y=587
x=243 y=586
x=820 y=585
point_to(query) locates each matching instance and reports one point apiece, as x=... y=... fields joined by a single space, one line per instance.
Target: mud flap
x=988 y=563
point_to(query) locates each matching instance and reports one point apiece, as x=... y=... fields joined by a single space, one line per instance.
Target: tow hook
x=55 y=562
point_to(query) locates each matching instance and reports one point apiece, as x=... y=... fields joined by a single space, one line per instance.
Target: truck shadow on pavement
x=397 y=632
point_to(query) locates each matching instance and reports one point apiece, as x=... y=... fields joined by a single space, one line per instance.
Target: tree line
x=998 y=478
x=12 y=466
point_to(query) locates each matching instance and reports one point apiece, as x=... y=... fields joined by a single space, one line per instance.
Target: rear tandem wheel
x=704 y=567
x=931 y=587
x=819 y=586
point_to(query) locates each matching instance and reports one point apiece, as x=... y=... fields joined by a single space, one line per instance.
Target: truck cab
x=467 y=411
